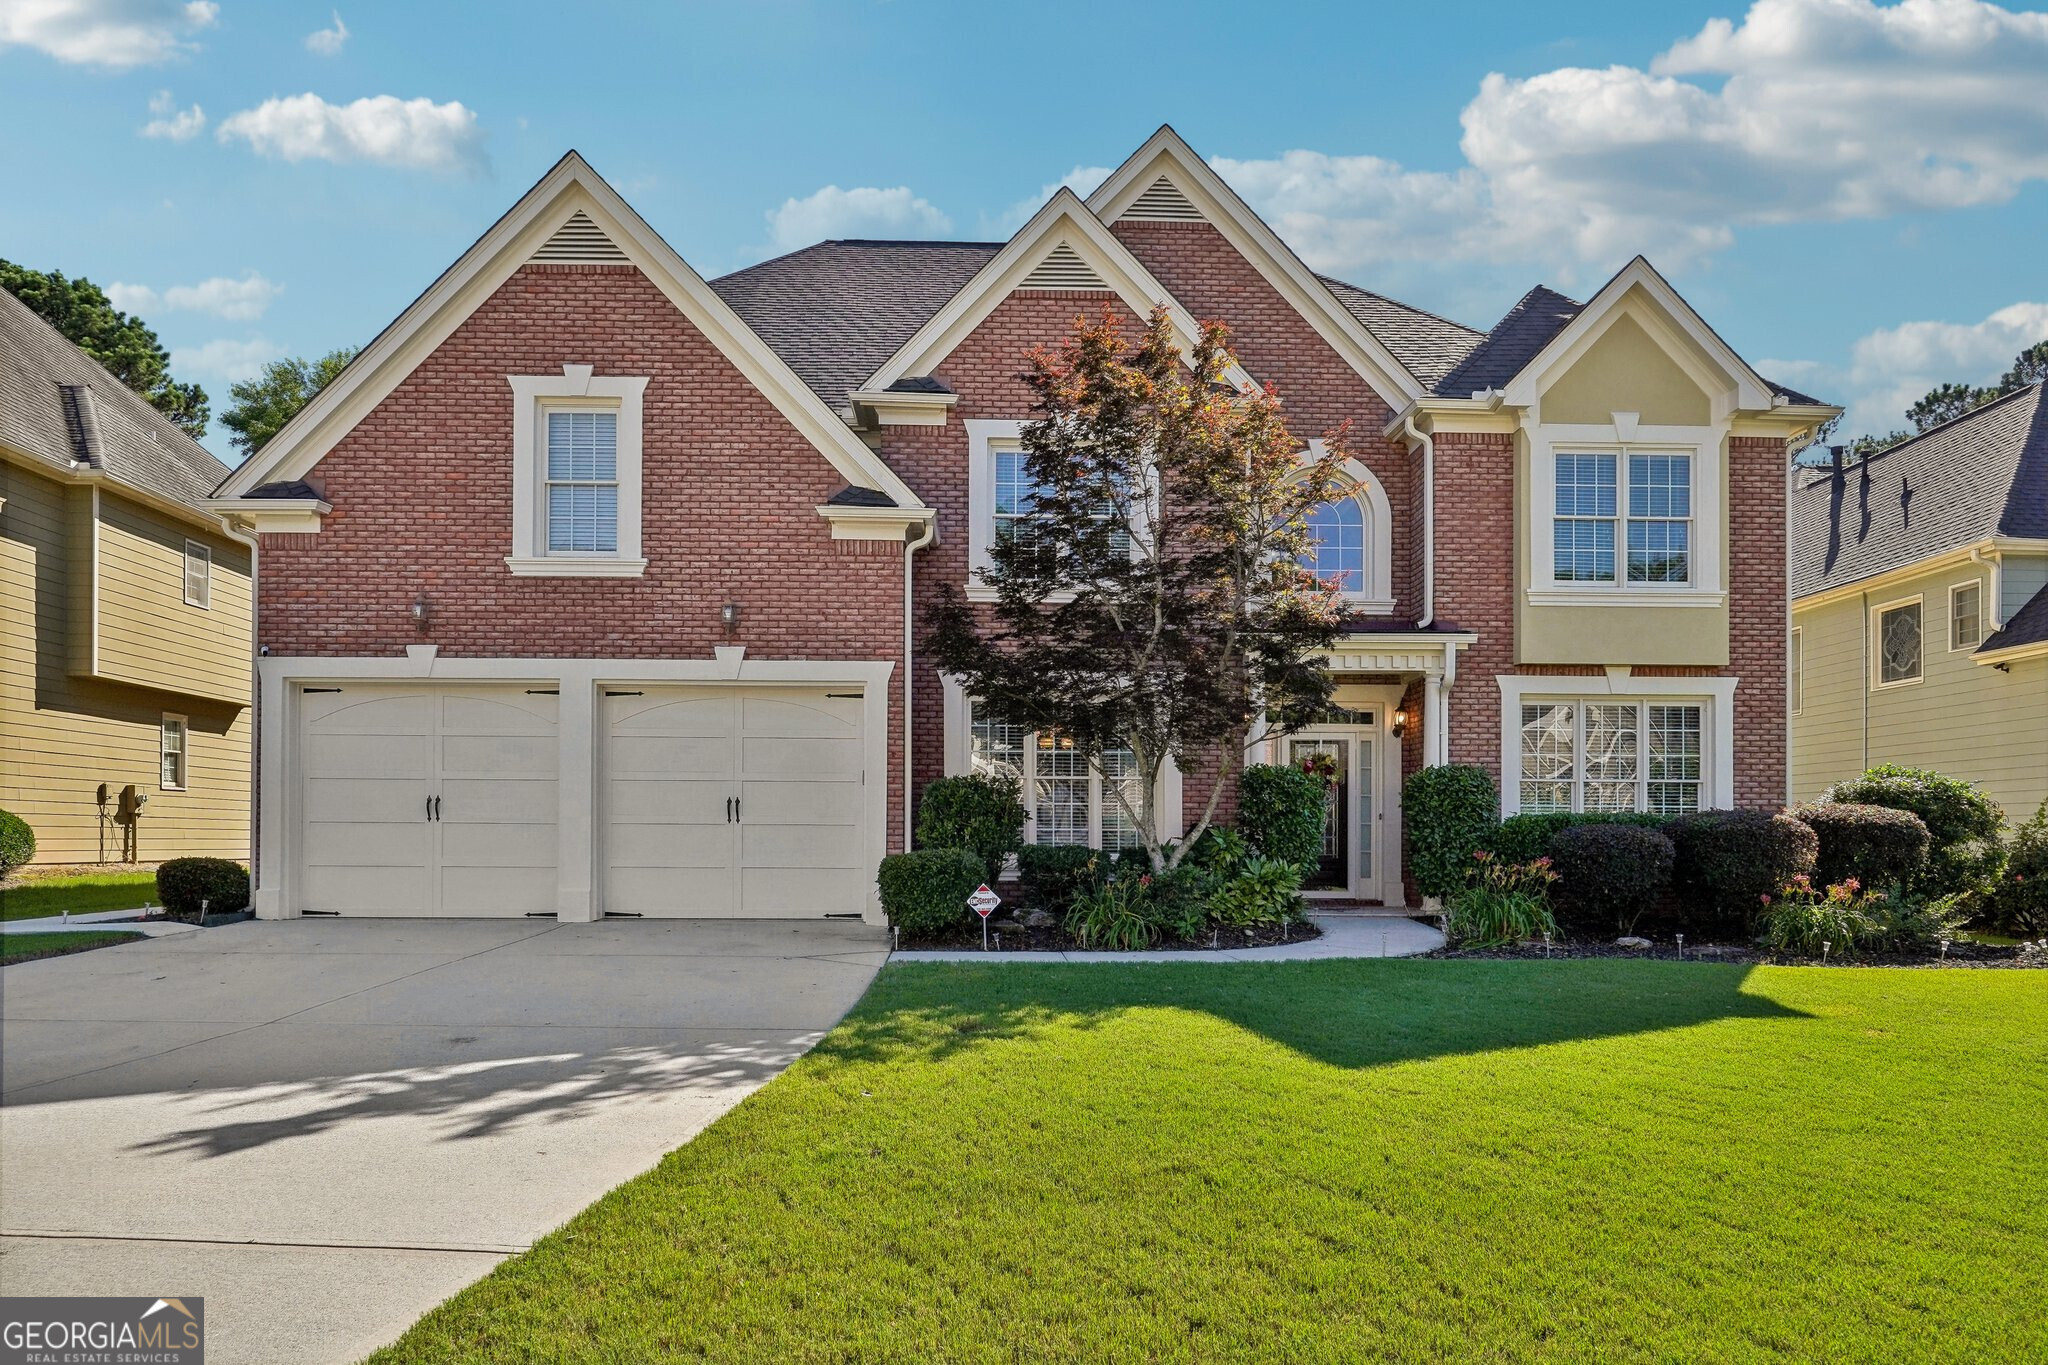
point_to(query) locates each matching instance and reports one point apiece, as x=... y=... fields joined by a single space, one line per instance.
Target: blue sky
x=1853 y=194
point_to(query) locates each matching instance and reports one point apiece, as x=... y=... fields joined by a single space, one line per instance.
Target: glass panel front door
x=1329 y=756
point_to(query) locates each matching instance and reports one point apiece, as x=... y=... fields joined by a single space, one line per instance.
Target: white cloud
x=327 y=42
x=228 y=360
x=1890 y=369
x=1082 y=180
x=240 y=300
x=1805 y=110
x=383 y=129
x=859 y=212
x=114 y=33
x=178 y=125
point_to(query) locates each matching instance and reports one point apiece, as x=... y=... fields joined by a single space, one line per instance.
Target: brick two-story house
x=594 y=588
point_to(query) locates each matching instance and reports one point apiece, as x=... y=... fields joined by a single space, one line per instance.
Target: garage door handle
x=728 y=810
x=437 y=810
x=736 y=809
x=430 y=808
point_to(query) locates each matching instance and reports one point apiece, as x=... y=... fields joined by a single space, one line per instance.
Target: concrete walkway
x=325 y=1127
x=1344 y=935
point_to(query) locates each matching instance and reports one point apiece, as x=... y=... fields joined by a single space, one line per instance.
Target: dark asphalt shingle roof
x=1512 y=343
x=1429 y=347
x=850 y=496
x=835 y=311
x=2028 y=626
x=1984 y=474
x=59 y=406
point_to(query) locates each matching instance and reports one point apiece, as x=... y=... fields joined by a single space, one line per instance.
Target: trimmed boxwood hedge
x=17 y=842
x=1448 y=812
x=183 y=883
x=1964 y=851
x=976 y=811
x=1280 y=812
x=1609 y=874
x=1055 y=875
x=1729 y=860
x=1525 y=838
x=925 y=891
x=1877 y=845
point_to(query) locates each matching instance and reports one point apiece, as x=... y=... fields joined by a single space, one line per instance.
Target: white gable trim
x=1681 y=331
x=1064 y=222
x=571 y=187
x=1165 y=153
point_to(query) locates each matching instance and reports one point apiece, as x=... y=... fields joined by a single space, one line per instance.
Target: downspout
x=1428 y=444
x=1994 y=610
x=911 y=546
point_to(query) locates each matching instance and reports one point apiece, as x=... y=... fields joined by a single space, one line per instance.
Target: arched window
x=1338 y=553
x=1351 y=537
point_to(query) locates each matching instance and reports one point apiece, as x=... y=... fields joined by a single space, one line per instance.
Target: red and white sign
x=984 y=901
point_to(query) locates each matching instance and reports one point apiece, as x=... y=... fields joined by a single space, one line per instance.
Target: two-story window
x=1612 y=755
x=1608 y=531
x=1067 y=799
x=576 y=474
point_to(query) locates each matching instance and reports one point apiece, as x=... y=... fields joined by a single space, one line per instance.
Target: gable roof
x=1427 y=345
x=1984 y=474
x=835 y=311
x=570 y=188
x=1537 y=317
x=61 y=408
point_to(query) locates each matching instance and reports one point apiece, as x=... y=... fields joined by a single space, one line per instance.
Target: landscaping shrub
x=17 y=842
x=1906 y=922
x=978 y=812
x=1877 y=845
x=1804 y=922
x=925 y=891
x=182 y=883
x=1260 y=891
x=1501 y=902
x=1727 y=861
x=1525 y=838
x=1447 y=814
x=1280 y=812
x=1609 y=874
x=1218 y=848
x=1180 y=900
x=2018 y=903
x=1115 y=914
x=1055 y=875
x=1964 y=852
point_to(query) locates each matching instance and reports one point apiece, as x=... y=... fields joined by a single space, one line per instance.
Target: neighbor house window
x=1898 y=643
x=1603 y=532
x=582 y=502
x=1612 y=756
x=198 y=575
x=1796 y=668
x=173 y=750
x=1067 y=799
x=1966 y=615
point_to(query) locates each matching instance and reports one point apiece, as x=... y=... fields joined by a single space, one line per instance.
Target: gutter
x=911 y=545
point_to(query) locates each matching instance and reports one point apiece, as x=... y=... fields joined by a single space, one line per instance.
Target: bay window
x=1611 y=755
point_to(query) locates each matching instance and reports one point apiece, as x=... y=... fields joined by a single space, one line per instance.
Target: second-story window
x=582 y=481
x=1623 y=517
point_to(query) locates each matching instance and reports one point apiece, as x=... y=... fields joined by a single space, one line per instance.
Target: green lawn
x=81 y=894
x=1341 y=1161
x=28 y=947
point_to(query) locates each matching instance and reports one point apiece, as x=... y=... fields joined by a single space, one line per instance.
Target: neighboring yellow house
x=1920 y=608
x=125 y=618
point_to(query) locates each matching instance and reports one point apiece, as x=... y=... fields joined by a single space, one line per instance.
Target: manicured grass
x=81 y=894
x=28 y=947
x=1338 y=1161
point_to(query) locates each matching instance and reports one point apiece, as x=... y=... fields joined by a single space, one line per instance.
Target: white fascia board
x=1165 y=152
x=266 y=516
x=1751 y=393
x=478 y=273
x=1064 y=216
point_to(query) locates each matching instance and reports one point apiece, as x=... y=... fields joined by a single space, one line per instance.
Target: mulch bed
x=1015 y=938
x=1961 y=953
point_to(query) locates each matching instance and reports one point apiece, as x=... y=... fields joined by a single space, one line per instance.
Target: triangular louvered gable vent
x=1164 y=203
x=1063 y=268
x=579 y=241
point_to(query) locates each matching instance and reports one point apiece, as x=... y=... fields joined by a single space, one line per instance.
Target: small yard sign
x=984 y=901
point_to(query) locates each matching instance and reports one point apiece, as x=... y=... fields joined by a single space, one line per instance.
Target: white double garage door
x=713 y=801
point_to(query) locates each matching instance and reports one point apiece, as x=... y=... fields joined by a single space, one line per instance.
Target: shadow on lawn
x=1346 y=1013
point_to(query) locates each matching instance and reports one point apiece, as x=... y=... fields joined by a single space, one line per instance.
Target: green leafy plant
x=1902 y=922
x=1804 y=922
x=1726 y=861
x=1502 y=902
x=182 y=883
x=1611 y=874
x=1260 y=892
x=1055 y=875
x=980 y=812
x=1180 y=899
x=1526 y=837
x=17 y=842
x=2018 y=903
x=925 y=891
x=1964 y=851
x=1115 y=914
x=1448 y=813
x=1877 y=845
x=1219 y=848
x=1281 y=811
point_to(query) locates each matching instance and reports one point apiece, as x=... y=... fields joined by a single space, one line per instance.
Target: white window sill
x=978 y=591
x=561 y=566
x=1367 y=606
x=1625 y=597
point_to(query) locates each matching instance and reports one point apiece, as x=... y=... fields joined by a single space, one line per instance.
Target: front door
x=1348 y=756
x=1330 y=758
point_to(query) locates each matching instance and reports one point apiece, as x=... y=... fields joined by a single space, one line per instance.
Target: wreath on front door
x=1322 y=765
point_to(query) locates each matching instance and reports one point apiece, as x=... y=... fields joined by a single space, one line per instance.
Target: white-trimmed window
x=1622 y=517
x=1966 y=615
x=1067 y=799
x=198 y=574
x=1350 y=535
x=1604 y=754
x=1897 y=642
x=1796 y=671
x=172 y=750
x=576 y=474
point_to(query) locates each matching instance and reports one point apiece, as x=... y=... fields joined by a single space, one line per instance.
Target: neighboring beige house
x=125 y=618
x=1920 y=608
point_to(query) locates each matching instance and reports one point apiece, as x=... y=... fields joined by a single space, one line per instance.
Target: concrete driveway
x=325 y=1127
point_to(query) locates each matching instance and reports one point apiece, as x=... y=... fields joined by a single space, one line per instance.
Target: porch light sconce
x=729 y=616
x=1400 y=724
x=421 y=611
